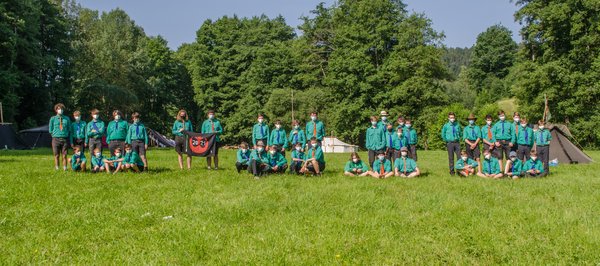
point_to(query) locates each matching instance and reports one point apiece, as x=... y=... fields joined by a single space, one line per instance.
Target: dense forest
x=342 y=61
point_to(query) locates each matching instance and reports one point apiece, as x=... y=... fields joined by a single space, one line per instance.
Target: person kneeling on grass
x=114 y=163
x=406 y=166
x=258 y=160
x=465 y=165
x=277 y=162
x=132 y=161
x=98 y=161
x=356 y=167
x=78 y=160
x=514 y=166
x=490 y=166
x=382 y=167
x=314 y=161
x=243 y=157
x=533 y=167
x=297 y=159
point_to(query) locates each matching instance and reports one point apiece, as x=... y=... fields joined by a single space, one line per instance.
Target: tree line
x=347 y=61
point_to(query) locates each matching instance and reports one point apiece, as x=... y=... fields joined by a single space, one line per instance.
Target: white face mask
x=128 y=151
x=78 y=153
x=488 y=122
x=523 y=124
x=513 y=159
x=260 y=120
x=401 y=124
x=272 y=152
x=98 y=154
x=502 y=117
x=299 y=148
x=403 y=153
x=487 y=157
x=314 y=145
x=533 y=158
x=136 y=121
x=408 y=125
x=541 y=127
x=296 y=127
x=465 y=158
x=383 y=118
x=399 y=134
x=451 y=120
x=117 y=154
x=77 y=118
x=244 y=150
x=95 y=117
x=278 y=126
x=260 y=149
x=471 y=122
x=381 y=158
x=59 y=111
x=117 y=117
x=516 y=119
x=313 y=118
x=373 y=123
x=211 y=116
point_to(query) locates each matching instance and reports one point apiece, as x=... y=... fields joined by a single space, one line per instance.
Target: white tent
x=334 y=145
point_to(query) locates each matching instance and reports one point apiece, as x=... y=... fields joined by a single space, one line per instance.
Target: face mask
x=373 y=123
x=95 y=117
x=278 y=126
x=513 y=159
x=244 y=150
x=408 y=125
x=535 y=130
x=259 y=149
x=298 y=148
x=355 y=160
x=78 y=153
x=487 y=157
x=399 y=134
x=488 y=122
x=541 y=127
x=296 y=127
x=403 y=153
x=117 y=117
x=313 y=144
x=533 y=158
x=211 y=116
x=59 y=111
x=98 y=154
x=136 y=121
x=77 y=118
x=502 y=117
x=383 y=118
x=516 y=119
x=389 y=129
x=117 y=154
x=260 y=121
x=523 y=125
x=313 y=118
x=401 y=124
x=471 y=122
x=464 y=158
x=452 y=120
x=381 y=158
x=272 y=152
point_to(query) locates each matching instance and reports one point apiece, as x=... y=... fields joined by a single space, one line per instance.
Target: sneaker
x=216 y=168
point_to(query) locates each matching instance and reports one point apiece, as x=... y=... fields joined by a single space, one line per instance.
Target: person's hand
x=473 y=146
x=510 y=144
x=85 y=144
x=181 y=129
x=145 y=146
x=359 y=171
x=275 y=168
x=282 y=149
x=497 y=144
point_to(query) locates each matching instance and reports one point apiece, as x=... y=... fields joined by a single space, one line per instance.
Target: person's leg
x=83 y=166
x=469 y=151
x=371 y=157
x=180 y=160
x=208 y=162
x=238 y=166
x=216 y=157
x=544 y=154
x=413 y=152
x=387 y=175
x=64 y=155
x=346 y=173
x=111 y=148
x=316 y=167
x=521 y=152
x=135 y=168
x=450 y=150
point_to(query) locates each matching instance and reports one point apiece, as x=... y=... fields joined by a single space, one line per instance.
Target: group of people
x=524 y=148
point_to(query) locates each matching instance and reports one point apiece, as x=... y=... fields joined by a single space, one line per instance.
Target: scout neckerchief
x=517 y=129
x=95 y=127
x=295 y=136
x=390 y=140
x=513 y=168
x=473 y=132
x=381 y=168
x=407 y=138
x=489 y=163
x=278 y=136
x=453 y=131
x=315 y=128
x=273 y=161
x=212 y=125
x=244 y=156
x=77 y=130
x=262 y=132
x=60 y=125
x=489 y=132
x=116 y=124
x=526 y=136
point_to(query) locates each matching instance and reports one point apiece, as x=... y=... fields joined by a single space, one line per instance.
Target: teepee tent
x=334 y=145
x=10 y=140
x=562 y=149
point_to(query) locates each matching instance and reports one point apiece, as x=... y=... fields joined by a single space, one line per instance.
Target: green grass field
x=220 y=217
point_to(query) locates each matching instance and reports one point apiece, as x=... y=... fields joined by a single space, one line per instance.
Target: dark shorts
x=60 y=146
x=139 y=147
x=80 y=143
x=94 y=143
x=312 y=169
x=179 y=144
x=114 y=144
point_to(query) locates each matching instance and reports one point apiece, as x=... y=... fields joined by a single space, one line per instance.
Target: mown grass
x=220 y=217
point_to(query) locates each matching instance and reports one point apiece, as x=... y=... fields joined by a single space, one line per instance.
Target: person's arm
x=444 y=133
x=477 y=134
x=128 y=137
x=285 y=142
x=459 y=165
x=381 y=140
x=364 y=167
x=282 y=160
x=51 y=125
x=175 y=129
x=219 y=128
x=189 y=125
x=348 y=167
x=240 y=159
x=254 y=136
x=108 y=133
x=414 y=136
x=322 y=130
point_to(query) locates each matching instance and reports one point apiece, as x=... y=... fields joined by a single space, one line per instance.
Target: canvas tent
x=334 y=145
x=158 y=140
x=10 y=140
x=37 y=137
x=561 y=147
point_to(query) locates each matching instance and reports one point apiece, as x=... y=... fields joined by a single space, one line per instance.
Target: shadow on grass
x=159 y=170
x=7 y=160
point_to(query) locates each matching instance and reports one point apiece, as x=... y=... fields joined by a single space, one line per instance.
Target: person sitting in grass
x=243 y=157
x=98 y=161
x=314 y=161
x=514 y=166
x=277 y=162
x=131 y=160
x=382 y=167
x=465 y=165
x=78 y=159
x=490 y=166
x=356 y=167
x=405 y=166
x=115 y=162
x=533 y=167
x=297 y=158
x=258 y=160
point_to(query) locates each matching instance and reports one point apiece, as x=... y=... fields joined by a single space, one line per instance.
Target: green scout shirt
x=54 y=126
x=471 y=133
x=297 y=135
x=74 y=158
x=243 y=157
x=503 y=130
x=278 y=137
x=260 y=131
x=389 y=139
x=451 y=132
x=350 y=165
x=516 y=167
x=212 y=126
x=525 y=136
x=312 y=127
x=137 y=131
x=531 y=164
x=132 y=158
x=491 y=166
x=276 y=159
x=260 y=158
x=383 y=125
x=375 y=138
x=97 y=161
x=411 y=165
x=78 y=129
x=543 y=137
x=460 y=164
x=116 y=130
x=187 y=126
x=316 y=153
x=487 y=133
x=297 y=155
x=387 y=166
x=410 y=134
x=94 y=129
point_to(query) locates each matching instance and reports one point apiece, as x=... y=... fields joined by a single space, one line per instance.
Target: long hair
x=179 y=117
x=354 y=154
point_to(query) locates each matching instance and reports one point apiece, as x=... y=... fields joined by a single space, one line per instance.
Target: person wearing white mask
x=375 y=140
x=137 y=137
x=384 y=120
x=465 y=165
x=490 y=166
x=382 y=167
x=212 y=126
x=524 y=140
x=276 y=161
x=451 y=134
x=297 y=134
x=116 y=132
x=260 y=131
x=315 y=128
x=410 y=134
x=534 y=167
x=355 y=166
x=542 y=145
x=472 y=137
x=297 y=159
x=314 y=160
x=279 y=137
x=503 y=132
x=78 y=131
x=243 y=157
x=78 y=161
x=114 y=163
x=516 y=130
x=259 y=160
x=404 y=166
x=60 y=130
x=94 y=132
x=487 y=136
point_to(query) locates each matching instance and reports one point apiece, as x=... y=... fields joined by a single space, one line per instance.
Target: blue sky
x=178 y=20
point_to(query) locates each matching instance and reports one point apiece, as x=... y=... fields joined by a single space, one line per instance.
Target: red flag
x=198 y=144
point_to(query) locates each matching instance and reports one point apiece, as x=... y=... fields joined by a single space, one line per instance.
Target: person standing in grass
x=503 y=132
x=243 y=157
x=78 y=160
x=114 y=163
x=260 y=131
x=542 y=145
x=382 y=167
x=514 y=166
x=315 y=128
x=401 y=122
x=182 y=123
x=297 y=134
x=131 y=160
x=213 y=125
x=524 y=140
x=490 y=166
x=375 y=140
x=393 y=142
x=451 y=132
x=487 y=136
x=276 y=160
x=60 y=130
x=116 y=132
x=515 y=132
x=297 y=158
x=405 y=166
x=472 y=137
x=278 y=138
x=384 y=122
x=410 y=134
x=533 y=167
x=94 y=132
x=465 y=165
x=314 y=161
x=98 y=161
x=137 y=137
x=78 y=131
x=356 y=167
x=258 y=160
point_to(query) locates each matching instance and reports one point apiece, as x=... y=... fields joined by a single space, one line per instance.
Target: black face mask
x=389 y=130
